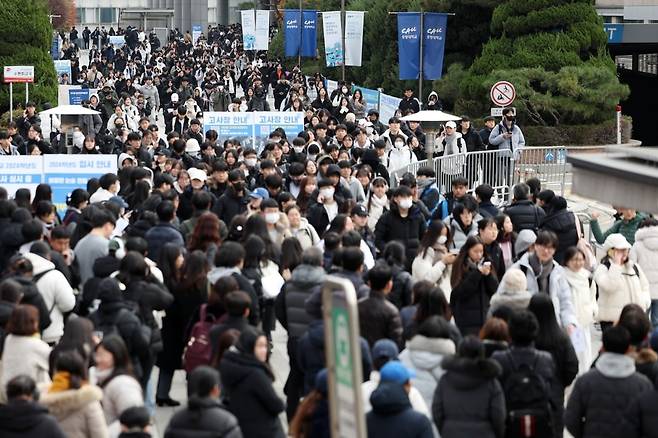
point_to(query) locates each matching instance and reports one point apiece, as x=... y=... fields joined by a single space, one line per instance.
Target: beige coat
x=78 y=411
x=24 y=355
x=619 y=286
x=583 y=296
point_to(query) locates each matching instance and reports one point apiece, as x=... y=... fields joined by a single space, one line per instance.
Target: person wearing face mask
x=402 y=222
x=434 y=262
x=326 y=208
x=277 y=222
x=400 y=155
x=507 y=135
x=234 y=200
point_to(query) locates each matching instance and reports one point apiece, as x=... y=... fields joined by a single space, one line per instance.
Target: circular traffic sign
x=503 y=93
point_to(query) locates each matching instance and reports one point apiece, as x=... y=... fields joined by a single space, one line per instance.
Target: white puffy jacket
x=57 y=294
x=618 y=286
x=645 y=253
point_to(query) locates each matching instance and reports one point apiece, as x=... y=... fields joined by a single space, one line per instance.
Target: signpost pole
x=618 y=124
x=27 y=93
x=343 y=356
x=420 y=63
x=342 y=25
x=11 y=101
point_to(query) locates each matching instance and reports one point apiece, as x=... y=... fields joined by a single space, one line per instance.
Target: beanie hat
x=514 y=280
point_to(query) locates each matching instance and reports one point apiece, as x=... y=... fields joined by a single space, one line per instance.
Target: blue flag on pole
x=309 y=34
x=292 y=34
x=435 y=38
x=409 y=44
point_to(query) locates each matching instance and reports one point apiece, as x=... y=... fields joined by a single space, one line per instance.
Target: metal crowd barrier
x=501 y=169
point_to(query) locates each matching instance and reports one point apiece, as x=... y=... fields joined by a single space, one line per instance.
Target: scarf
x=452 y=144
x=61 y=382
x=379 y=202
x=542 y=272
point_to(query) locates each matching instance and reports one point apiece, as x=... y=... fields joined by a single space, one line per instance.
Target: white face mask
x=327 y=192
x=298 y=149
x=406 y=203
x=251 y=162
x=272 y=218
x=399 y=144
x=442 y=240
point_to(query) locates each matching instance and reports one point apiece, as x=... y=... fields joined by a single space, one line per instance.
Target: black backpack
x=527 y=395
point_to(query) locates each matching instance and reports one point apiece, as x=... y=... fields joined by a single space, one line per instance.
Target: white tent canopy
x=69 y=110
x=430 y=116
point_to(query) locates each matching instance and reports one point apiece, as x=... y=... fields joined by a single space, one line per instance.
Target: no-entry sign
x=503 y=93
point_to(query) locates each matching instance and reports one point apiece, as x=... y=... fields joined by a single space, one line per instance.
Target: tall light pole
x=342 y=25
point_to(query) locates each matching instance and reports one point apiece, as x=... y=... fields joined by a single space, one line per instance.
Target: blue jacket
x=392 y=415
x=160 y=234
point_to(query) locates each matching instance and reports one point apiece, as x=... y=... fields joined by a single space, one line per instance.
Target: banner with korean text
x=291 y=32
x=309 y=33
x=409 y=44
x=248 y=29
x=435 y=28
x=262 y=30
x=353 y=37
x=333 y=38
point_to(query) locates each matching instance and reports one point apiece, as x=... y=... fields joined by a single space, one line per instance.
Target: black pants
x=294 y=387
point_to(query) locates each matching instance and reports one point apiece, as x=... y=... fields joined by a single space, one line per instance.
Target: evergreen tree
x=554 y=52
x=26 y=35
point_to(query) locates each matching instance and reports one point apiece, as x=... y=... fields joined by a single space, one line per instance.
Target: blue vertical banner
x=310 y=34
x=291 y=33
x=409 y=44
x=434 y=44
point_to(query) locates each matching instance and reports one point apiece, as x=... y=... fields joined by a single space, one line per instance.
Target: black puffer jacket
x=407 y=230
x=601 y=396
x=27 y=419
x=203 y=418
x=642 y=416
x=469 y=401
x=229 y=205
x=525 y=215
x=250 y=396
x=563 y=223
x=289 y=306
x=379 y=319
x=469 y=300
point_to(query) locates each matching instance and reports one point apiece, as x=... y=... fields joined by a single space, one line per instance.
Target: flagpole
x=422 y=49
x=342 y=23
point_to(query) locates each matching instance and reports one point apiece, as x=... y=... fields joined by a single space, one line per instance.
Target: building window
x=647 y=63
x=80 y=14
x=108 y=15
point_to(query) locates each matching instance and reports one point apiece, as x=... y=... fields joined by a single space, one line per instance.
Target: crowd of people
x=474 y=316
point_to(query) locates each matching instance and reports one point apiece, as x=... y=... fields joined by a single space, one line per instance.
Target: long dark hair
x=167 y=264
x=291 y=254
x=140 y=193
x=550 y=336
x=76 y=337
x=255 y=250
x=133 y=267
x=430 y=301
x=115 y=345
x=43 y=192
x=256 y=226
x=394 y=254
x=195 y=270
x=432 y=235
x=459 y=268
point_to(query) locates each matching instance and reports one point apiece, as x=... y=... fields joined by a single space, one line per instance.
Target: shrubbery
x=25 y=35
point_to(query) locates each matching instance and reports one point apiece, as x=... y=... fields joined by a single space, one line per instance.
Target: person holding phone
x=473 y=282
x=619 y=280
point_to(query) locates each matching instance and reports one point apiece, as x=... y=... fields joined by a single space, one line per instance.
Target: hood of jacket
x=433 y=93
x=39 y=264
x=615 y=366
x=465 y=373
x=236 y=367
x=21 y=416
x=29 y=289
x=64 y=403
x=307 y=275
x=648 y=236
x=427 y=353
x=221 y=271
x=389 y=398
x=560 y=221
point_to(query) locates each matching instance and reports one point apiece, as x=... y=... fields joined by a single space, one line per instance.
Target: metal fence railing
x=501 y=169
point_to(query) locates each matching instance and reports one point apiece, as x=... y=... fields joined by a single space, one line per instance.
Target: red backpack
x=199 y=349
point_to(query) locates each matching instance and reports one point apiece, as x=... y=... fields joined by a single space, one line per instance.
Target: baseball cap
x=192 y=145
x=117 y=200
x=259 y=193
x=197 y=174
x=333 y=169
x=395 y=372
x=359 y=210
x=451 y=124
x=384 y=347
